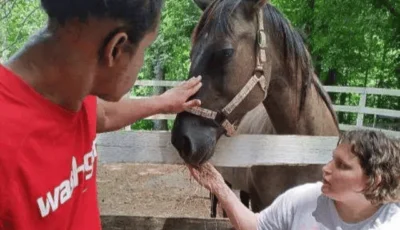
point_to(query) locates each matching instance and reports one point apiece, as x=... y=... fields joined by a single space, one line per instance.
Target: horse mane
x=219 y=13
x=326 y=99
x=295 y=52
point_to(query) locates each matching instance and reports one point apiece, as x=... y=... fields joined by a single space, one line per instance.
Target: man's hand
x=112 y=116
x=176 y=99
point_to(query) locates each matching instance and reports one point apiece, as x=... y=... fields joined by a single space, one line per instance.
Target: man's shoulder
x=13 y=90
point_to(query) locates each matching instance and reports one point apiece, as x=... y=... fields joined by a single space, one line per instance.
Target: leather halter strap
x=257 y=78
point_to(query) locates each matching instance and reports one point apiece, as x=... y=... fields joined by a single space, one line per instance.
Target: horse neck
x=314 y=117
x=296 y=103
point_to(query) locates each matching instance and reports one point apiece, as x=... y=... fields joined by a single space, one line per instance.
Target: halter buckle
x=262 y=39
x=229 y=128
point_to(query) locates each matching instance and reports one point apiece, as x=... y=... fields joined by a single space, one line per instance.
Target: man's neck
x=53 y=70
x=356 y=210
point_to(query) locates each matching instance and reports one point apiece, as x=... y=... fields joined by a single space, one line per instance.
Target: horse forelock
x=216 y=19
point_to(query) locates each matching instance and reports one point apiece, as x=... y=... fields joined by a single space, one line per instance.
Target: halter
x=221 y=117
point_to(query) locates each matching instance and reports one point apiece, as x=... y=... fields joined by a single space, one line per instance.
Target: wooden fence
x=155 y=147
x=239 y=151
x=163 y=223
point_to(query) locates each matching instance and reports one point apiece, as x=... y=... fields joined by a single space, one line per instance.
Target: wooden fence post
x=362 y=103
x=127 y=96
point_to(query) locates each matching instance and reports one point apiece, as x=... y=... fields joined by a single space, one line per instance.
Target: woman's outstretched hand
x=208 y=177
x=240 y=216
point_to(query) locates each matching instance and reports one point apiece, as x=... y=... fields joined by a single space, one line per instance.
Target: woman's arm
x=239 y=215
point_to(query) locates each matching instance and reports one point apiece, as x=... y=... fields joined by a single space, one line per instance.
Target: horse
x=248 y=54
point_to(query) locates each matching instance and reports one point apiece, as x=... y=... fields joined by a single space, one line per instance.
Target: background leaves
x=353 y=43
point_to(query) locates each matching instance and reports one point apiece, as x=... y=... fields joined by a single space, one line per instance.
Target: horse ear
x=202 y=4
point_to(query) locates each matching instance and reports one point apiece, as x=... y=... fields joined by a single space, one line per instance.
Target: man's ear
x=203 y=4
x=115 y=47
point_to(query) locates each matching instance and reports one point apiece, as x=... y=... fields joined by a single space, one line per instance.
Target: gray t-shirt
x=306 y=208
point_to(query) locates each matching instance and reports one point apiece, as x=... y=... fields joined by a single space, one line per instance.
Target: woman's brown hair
x=379 y=156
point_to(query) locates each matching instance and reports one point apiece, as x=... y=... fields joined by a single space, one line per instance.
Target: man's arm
x=113 y=116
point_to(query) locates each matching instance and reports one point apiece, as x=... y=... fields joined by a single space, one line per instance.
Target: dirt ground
x=150 y=190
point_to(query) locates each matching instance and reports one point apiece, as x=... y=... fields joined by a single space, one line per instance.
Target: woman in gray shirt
x=360 y=190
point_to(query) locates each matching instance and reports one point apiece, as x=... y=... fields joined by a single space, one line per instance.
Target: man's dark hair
x=140 y=16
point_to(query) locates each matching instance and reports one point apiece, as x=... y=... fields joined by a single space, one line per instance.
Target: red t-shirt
x=47 y=161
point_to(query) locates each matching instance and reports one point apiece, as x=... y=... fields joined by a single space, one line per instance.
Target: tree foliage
x=19 y=19
x=352 y=42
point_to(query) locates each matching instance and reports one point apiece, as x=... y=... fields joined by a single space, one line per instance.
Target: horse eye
x=223 y=55
x=228 y=52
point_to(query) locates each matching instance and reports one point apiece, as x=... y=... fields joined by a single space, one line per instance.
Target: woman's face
x=343 y=176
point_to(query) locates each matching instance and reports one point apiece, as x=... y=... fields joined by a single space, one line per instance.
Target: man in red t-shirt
x=60 y=90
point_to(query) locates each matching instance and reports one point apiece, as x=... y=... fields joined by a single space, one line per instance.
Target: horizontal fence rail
x=359 y=109
x=111 y=222
x=239 y=151
x=332 y=89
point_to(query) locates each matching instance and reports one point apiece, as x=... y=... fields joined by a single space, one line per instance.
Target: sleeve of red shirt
x=90 y=104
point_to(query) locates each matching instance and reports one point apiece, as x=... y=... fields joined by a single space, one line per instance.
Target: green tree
x=19 y=19
x=352 y=42
x=168 y=57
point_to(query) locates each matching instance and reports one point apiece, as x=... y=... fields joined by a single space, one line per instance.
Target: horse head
x=231 y=51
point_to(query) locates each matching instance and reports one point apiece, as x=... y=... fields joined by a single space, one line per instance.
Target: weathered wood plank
x=333 y=89
x=161 y=223
x=380 y=91
x=367 y=110
x=382 y=112
x=162 y=117
x=387 y=132
x=344 y=89
x=361 y=104
x=157 y=83
x=239 y=151
x=338 y=108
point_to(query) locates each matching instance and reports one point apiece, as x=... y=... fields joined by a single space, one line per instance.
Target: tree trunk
x=159 y=75
x=332 y=80
x=379 y=103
